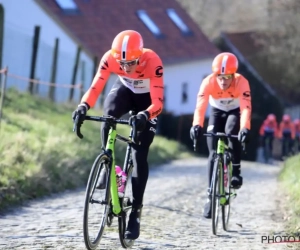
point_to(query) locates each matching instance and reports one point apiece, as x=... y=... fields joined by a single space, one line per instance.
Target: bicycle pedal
x=233 y=195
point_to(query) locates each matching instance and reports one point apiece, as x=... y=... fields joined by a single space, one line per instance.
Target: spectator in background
x=287 y=135
x=268 y=131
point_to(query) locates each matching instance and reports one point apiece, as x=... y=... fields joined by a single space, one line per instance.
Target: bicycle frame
x=114 y=205
x=110 y=151
x=221 y=148
x=220 y=194
x=110 y=148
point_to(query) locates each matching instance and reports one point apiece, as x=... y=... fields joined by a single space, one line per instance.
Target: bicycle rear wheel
x=215 y=194
x=97 y=203
x=267 y=152
x=227 y=190
x=126 y=209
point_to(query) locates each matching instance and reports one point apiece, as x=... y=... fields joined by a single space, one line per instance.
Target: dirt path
x=172 y=214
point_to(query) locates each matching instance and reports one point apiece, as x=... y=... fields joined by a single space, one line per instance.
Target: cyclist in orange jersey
x=268 y=130
x=229 y=96
x=139 y=87
x=269 y=126
x=297 y=135
x=287 y=135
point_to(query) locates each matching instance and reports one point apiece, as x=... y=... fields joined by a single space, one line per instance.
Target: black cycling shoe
x=236 y=182
x=102 y=179
x=133 y=228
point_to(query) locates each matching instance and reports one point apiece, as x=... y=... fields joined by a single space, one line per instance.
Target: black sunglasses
x=128 y=63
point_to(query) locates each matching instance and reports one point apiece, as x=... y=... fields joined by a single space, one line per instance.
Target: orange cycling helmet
x=127 y=46
x=297 y=122
x=286 y=118
x=271 y=117
x=225 y=64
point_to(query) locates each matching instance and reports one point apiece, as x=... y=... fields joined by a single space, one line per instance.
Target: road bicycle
x=104 y=204
x=297 y=144
x=287 y=150
x=267 y=152
x=220 y=190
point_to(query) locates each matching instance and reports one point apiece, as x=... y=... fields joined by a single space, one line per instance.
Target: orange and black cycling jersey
x=297 y=129
x=237 y=95
x=269 y=126
x=286 y=127
x=147 y=78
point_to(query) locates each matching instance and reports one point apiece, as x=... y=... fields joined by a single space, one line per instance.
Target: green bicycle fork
x=220 y=150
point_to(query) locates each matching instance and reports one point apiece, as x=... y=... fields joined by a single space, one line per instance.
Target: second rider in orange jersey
x=139 y=87
x=229 y=96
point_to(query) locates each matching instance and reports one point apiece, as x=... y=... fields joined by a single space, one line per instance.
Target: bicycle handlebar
x=220 y=135
x=110 y=119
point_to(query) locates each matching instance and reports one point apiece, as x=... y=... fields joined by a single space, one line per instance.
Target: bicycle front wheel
x=97 y=202
x=215 y=195
x=126 y=209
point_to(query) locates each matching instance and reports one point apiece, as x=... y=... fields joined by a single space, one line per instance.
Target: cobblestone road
x=172 y=214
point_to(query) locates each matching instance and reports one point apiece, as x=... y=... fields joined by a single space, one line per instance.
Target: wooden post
x=1 y=35
x=82 y=80
x=95 y=68
x=3 y=88
x=75 y=69
x=51 y=93
x=35 y=46
x=36 y=86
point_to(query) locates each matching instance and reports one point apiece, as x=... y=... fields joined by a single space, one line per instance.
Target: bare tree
x=277 y=27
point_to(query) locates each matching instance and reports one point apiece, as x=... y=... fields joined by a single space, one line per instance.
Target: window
x=68 y=6
x=142 y=14
x=178 y=22
x=184 y=93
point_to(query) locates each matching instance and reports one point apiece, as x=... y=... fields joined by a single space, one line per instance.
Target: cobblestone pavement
x=172 y=214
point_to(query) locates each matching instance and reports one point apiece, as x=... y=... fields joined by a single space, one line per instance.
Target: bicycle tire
x=226 y=208
x=215 y=194
x=102 y=161
x=267 y=151
x=126 y=204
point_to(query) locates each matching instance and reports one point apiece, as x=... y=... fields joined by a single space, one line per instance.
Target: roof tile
x=99 y=21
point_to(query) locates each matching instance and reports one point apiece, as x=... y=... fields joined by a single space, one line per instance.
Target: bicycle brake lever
x=244 y=147
x=76 y=128
x=134 y=133
x=195 y=144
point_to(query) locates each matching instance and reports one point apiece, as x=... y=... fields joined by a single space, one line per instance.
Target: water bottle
x=225 y=175
x=121 y=181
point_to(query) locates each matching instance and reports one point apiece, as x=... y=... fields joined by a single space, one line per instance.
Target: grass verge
x=290 y=180
x=41 y=155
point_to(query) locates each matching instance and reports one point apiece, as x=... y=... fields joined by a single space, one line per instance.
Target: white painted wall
x=20 y=18
x=191 y=73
